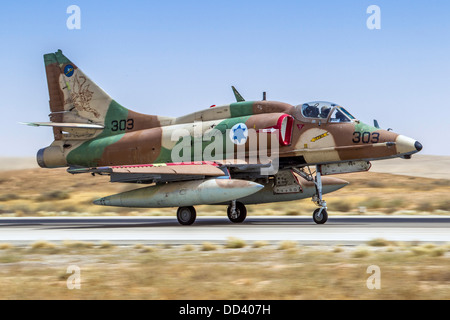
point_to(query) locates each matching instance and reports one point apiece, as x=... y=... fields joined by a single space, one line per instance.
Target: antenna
x=237 y=95
x=375 y=124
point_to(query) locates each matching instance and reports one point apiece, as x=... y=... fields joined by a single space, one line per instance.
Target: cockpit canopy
x=322 y=110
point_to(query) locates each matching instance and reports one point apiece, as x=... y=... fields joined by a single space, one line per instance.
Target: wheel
x=323 y=217
x=240 y=214
x=186 y=215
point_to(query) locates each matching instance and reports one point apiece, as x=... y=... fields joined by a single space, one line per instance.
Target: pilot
x=341 y=117
x=324 y=112
x=306 y=110
x=310 y=111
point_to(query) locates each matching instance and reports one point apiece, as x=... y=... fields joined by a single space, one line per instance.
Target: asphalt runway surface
x=344 y=230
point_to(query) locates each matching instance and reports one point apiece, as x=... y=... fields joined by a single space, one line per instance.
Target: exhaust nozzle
x=51 y=157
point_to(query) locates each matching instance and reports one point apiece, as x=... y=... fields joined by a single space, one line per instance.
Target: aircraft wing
x=149 y=173
x=168 y=172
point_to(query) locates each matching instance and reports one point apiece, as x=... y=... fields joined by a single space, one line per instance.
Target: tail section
x=74 y=98
x=83 y=114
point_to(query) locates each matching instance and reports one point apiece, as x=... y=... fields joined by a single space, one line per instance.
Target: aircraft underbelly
x=267 y=194
x=321 y=156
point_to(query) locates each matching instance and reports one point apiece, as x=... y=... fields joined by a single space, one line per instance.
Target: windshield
x=341 y=115
x=322 y=110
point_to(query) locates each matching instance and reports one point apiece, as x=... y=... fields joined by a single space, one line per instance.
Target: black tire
x=322 y=219
x=186 y=215
x=241 y=213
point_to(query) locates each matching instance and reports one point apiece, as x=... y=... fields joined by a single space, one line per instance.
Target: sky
x=171 y=58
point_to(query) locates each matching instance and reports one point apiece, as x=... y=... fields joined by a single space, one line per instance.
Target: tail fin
x=82 y=112
x=74 y=98
x=81 y=108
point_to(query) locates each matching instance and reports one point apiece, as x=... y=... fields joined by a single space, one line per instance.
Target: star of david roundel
x=239 y=133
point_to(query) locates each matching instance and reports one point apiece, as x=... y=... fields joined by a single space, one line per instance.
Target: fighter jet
x=242 y=153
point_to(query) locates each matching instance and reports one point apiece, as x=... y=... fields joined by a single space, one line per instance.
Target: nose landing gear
x=320 y=215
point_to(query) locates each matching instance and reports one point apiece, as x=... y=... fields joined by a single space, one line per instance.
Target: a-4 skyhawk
x=247 y=152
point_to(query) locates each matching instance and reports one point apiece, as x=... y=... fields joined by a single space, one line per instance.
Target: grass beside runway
x=235 y=270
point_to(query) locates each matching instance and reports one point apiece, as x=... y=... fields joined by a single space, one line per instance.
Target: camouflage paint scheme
x=94 y=133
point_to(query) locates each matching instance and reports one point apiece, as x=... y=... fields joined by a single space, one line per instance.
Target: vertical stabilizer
x=74 y=98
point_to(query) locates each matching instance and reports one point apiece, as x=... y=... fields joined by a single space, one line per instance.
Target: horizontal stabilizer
x=65 y=125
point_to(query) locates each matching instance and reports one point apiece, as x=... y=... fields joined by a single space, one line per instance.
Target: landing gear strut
x=320 y=215
x=236 y=211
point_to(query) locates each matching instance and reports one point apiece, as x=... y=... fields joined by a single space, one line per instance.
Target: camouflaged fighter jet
x=95 y=134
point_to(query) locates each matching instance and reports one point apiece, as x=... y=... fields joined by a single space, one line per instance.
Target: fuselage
x=300 y=140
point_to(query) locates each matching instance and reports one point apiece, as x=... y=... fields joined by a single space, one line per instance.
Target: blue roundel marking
x=239 y=133
x=68 y=70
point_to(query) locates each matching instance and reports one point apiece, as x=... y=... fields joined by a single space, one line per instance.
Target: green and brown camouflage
x=125 y=137
x=93 y=131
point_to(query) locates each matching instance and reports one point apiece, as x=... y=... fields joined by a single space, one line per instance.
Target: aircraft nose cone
x=407 y=146
x=418 y=146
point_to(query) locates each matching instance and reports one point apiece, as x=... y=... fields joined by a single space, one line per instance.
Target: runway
x=345 y=230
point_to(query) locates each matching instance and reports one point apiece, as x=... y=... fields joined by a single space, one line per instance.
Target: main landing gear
x=320 y=215
x=186 y=215
x=236 y=211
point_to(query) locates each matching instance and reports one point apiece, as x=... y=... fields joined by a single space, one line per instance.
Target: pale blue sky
x=176 y=57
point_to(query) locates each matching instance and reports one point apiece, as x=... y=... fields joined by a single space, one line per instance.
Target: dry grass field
x=209 y=271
